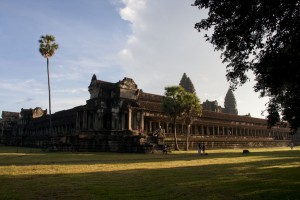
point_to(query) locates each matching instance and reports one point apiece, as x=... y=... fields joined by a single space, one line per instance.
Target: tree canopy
x=178 y=103
x=47 y=45
x=263 y=37
x=172 y=105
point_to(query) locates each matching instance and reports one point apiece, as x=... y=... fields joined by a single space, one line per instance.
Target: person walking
x=203 y=148
x=199 y=149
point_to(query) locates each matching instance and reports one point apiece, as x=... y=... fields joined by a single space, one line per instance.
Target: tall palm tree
x=47 y=49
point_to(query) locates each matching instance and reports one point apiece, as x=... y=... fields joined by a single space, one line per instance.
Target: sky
x=151 y=41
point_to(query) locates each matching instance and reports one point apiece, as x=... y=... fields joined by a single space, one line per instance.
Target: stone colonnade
x=219 y=130
x=137 y=120
x=99 y=120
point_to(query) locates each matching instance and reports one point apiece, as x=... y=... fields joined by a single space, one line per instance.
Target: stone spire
x=187 y=84
x=230 y=103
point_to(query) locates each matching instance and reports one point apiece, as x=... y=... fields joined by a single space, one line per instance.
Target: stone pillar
x=77 y=121
x=129 y=119
x=142 y=121
x=150 y=126
x=123 y=121
x=134 y=120
x=84 y=123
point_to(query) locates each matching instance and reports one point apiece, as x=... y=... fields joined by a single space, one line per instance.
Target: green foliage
x=47 y=46
x=173 y=101
x=178 y=103
x=173 y=106
x=274 y=117
x=262 y=36
x=192 y=107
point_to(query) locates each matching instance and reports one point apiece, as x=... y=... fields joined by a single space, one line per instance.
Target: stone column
x=129 y=118
x=84 y=120
x=122 y=121
x=167 y=128
x=142 y=121
x=77 y=121
x=150 y=126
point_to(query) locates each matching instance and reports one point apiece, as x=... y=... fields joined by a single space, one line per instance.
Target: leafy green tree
x=173 y=106
x=47 y=49
x=263 y=37
x=192 y=109
x=180 y=104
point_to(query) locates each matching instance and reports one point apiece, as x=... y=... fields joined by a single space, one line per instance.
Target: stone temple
x=120 y=117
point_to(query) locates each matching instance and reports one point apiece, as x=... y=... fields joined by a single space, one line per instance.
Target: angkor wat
x=120 y=117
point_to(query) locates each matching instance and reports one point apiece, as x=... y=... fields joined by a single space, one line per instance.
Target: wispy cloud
x=24 y=100
x=23 y=86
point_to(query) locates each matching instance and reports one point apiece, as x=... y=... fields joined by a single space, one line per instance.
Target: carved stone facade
x=212 y=106
x=122 y=118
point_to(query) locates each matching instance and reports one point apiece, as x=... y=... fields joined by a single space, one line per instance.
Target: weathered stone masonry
x=121 y=117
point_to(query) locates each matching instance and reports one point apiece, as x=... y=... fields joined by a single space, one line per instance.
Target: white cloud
x=164 y=44
x=131 y=11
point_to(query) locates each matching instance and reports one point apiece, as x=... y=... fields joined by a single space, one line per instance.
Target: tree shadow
x=254 y=180
x=68 y=158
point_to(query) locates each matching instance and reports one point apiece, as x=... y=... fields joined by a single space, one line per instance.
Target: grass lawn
x=272 y=173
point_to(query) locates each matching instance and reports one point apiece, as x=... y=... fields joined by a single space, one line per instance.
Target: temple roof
x=152 y=102
x=187 y=84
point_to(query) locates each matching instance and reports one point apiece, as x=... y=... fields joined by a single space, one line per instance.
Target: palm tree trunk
x=49 y=90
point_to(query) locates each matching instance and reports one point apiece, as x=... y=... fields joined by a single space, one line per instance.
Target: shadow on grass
x=253 y=180
x=68 y=158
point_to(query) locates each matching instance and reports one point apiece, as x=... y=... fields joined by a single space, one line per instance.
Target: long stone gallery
x=120 y=117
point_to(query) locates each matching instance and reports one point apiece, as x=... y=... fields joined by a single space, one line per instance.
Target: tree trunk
x=176 y=147
x=187 y=137
x=49 y=90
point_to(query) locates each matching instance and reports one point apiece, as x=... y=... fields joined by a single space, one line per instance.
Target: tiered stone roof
x=187 y=84
x=230 y=103
x=152 y=102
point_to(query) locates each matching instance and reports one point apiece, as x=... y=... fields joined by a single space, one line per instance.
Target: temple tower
x=230 y=103
x=187 y=84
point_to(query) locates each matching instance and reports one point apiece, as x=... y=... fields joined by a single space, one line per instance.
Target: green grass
x=223 y=174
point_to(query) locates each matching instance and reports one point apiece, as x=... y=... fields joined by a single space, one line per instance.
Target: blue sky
x=151 y=41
